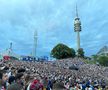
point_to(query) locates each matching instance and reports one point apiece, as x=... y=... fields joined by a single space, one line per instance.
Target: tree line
x=61 y=51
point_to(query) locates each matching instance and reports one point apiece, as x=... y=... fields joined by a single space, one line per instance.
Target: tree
x=73 y=52
x=95 y=57
x=103 y=60
x=80 y=52
x=61 y=51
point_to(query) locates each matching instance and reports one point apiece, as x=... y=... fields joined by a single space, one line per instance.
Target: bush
x=103 y=60
x=80 y=52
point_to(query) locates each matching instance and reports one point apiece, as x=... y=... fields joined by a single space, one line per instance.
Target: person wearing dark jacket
x=3 y=79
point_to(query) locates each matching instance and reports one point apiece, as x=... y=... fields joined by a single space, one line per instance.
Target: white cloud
x=53 y=19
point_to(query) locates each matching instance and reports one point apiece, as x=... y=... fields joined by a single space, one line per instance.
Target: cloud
x=53 y=19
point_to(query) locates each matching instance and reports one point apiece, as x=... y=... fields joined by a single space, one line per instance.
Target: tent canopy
x=10 y=53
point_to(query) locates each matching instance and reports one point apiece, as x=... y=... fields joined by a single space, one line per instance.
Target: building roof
x=103 y=50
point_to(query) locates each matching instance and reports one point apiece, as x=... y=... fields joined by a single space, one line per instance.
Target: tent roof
x=9 y=52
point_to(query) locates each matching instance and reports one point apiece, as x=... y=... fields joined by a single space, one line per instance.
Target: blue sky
x=53 y=20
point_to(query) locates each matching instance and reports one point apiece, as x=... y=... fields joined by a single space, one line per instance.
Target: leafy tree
x=73 y=52
x=103 y=60
x=80 y=52
x=61 y=51
x=95 y=57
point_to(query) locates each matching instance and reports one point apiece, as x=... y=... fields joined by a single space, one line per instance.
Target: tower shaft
x=78 y=40
x=77 y=28
x=35 y=44
x=35 y=47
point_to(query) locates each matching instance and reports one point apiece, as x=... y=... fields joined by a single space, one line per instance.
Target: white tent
x=9 y=52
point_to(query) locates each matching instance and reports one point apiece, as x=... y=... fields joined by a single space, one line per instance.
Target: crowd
x=52 y=75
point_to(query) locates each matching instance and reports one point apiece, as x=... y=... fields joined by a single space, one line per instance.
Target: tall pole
x=35 y=44
x=10 y=49
x=10 y=46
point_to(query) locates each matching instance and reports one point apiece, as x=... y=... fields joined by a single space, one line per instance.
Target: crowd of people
x=52 y=75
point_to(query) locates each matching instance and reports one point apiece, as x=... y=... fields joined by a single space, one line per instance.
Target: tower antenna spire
x=76 y=11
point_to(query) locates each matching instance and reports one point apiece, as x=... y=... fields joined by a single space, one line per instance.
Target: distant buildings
x=103 y=51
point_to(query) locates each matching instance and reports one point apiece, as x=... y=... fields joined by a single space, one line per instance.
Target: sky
x=54 y=22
